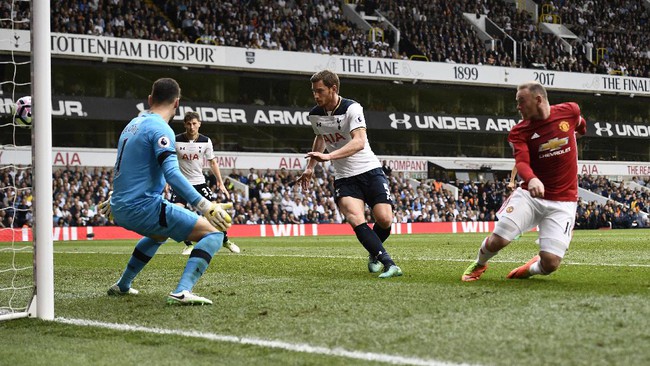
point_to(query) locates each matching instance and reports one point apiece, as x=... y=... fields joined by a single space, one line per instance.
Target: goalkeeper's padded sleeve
x=179 y=183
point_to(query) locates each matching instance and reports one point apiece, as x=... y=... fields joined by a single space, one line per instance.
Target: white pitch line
x=267 y=343
x=405 y=258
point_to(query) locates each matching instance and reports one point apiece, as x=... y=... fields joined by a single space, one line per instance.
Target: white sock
x=536 y=268
x=484 y=255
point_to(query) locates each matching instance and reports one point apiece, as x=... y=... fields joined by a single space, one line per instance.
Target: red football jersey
x=547 y=150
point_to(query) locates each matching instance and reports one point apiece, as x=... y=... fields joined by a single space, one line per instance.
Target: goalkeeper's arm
x=215 y=213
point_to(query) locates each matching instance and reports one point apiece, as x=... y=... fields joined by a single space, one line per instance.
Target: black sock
x=382 y=233
x=372 y=243
x=187 y=242
x=225 y=236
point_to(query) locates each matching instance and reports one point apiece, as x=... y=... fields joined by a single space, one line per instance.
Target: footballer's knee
x=384 y=222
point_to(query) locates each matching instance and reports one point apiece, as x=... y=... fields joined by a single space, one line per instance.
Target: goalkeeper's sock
x=225 y=236
x=199 y=260
x=142 y=254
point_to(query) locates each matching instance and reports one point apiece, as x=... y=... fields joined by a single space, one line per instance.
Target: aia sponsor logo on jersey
x=332 y=138
x=190 y=156
x=564 y=126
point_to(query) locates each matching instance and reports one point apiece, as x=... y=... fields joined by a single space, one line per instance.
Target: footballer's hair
x=328 y=77
x=165 y=91
x=535 y=88
x=190 y=116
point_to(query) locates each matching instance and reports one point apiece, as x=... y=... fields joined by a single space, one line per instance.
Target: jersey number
x=119 y=158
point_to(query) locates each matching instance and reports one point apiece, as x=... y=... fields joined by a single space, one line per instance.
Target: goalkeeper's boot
x=473 y=272
x=228 y=244
x=374 y=265
x=392 y=271
x=115 y=291
x=187 y=298
x=523 y=271
x=188 y=247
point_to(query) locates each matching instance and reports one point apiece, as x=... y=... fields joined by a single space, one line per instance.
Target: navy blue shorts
x=371 y=187
x=202 y=188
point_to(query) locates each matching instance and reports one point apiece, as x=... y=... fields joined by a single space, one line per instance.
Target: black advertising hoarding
x=105 y=109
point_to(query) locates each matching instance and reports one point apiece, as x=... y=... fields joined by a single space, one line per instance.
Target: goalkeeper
x=146 y=159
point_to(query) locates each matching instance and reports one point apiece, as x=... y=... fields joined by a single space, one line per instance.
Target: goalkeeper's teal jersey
x=144 y=145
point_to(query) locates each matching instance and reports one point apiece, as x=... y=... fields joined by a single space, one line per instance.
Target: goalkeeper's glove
x=104 y=207
x=216 y=213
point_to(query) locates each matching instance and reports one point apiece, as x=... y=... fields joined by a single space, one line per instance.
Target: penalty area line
x=266 y=343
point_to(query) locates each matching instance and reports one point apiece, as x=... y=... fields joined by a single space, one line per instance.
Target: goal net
x=26 y=252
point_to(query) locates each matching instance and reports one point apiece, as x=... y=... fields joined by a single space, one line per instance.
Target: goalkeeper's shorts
x=158 y=218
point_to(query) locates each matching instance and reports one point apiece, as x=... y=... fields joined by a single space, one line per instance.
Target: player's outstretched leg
x=229 y=244
x=142 y=254
x=523 y=271
x=188 y=247
x=196 y=265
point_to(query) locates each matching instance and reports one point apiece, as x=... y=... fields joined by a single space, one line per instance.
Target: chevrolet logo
x=553 y=144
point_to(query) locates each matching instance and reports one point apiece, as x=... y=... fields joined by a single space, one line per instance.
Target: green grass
x=594 y=311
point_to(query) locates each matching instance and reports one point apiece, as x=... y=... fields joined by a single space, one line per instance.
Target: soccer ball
x=22 y=112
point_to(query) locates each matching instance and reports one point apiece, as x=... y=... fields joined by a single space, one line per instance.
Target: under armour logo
x=600 y=130
x=395 y=122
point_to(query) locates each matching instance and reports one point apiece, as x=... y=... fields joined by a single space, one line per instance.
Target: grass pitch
x=311 y=301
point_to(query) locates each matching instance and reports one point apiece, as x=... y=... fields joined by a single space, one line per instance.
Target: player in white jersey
x=192 y=148
x=340 y=127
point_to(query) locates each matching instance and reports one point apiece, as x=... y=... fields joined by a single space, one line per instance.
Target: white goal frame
x=42 y=303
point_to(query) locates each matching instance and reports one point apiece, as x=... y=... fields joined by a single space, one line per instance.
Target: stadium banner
x=104 y=109
x=75 y=233
x=112 y=49
x=243 y=161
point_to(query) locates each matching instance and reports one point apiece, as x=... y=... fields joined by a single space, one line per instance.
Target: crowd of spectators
x=623 y=209
x=538 y=49
x=621 y=29
x=435 y=29
x=274 y=198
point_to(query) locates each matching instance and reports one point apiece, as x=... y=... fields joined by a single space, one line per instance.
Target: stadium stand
x=274 y=199
x=612 y=40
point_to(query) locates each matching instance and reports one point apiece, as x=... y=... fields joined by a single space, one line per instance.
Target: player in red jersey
x=546 y=158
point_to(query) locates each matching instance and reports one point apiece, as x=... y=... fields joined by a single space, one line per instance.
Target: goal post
x=27 y=283
x=42 y=162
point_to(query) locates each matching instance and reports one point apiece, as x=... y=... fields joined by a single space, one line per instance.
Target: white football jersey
x=335 y=130
x=191 y=154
